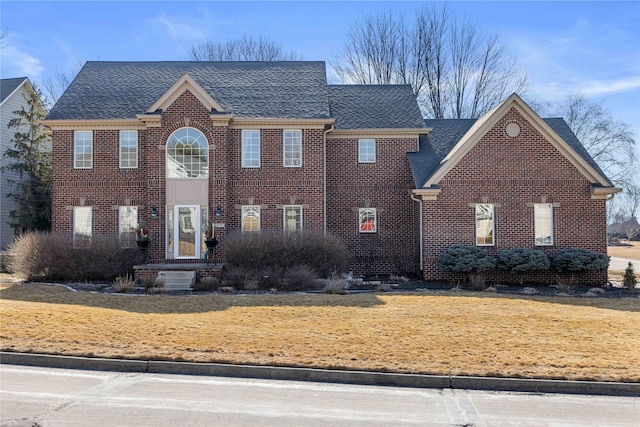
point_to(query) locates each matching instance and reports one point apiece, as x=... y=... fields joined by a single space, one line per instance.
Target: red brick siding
x=512 y=173
x=386 y=186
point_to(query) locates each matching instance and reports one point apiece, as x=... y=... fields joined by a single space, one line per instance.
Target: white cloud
x=17 y=62
x=604 y=87
x=181 y=28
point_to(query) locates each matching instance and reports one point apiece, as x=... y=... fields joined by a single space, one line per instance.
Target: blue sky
x=592 y=47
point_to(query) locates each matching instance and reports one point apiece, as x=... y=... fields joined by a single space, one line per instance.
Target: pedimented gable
x=186 y=82
x=514 y=122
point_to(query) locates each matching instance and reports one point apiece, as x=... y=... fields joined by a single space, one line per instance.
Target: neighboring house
x=12 y=98
x=270 y=147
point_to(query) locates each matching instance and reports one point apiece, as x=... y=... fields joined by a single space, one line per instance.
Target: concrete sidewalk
x=620 y=264
x=328 y=376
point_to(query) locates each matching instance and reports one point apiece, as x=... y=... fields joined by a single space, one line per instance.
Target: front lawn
x=431 y=333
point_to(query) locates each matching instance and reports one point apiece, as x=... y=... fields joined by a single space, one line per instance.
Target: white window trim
x=493 y=224
x=284 y=149
x=244 y=210
x=284 y=218
x=169 y=159
x=535 y=224
x=242 y=149
x=137 y=150
x=75 y=149
x=360 y=142
x=361 y=211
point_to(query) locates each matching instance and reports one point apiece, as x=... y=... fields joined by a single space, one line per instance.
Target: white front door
x=187 y=232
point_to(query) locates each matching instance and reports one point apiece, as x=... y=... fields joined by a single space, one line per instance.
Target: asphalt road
x=49 y=397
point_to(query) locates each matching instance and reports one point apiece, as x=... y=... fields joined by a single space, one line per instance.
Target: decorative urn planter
x=142 y=243
x=211 y=243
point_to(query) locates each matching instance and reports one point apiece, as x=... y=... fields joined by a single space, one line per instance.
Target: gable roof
x=374 y=107
x=451 y=139
x=122 y=90
x=8 y=86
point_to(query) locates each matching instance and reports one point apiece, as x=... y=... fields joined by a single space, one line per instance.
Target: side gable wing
x=476 y=132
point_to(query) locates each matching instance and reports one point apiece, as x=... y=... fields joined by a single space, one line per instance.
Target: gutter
x=412 y=195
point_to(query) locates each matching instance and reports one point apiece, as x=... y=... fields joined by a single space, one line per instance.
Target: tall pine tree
x=30 y=158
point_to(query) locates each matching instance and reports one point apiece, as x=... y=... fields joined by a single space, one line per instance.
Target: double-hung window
x=128 y=149
x=292 y=146
x=250 y=218
x=368 y=220
x=250 y=148
x=81 y=226
x=485 y=225
x=127 y=220
x=366 y=150
x=292 y=219
x=543 y=224
x=83 y=149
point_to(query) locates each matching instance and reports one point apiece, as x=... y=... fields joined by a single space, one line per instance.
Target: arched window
x=187 y=154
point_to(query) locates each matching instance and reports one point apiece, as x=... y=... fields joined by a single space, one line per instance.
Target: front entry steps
x=177 y=280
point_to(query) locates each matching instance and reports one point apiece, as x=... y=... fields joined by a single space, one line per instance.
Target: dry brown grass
x=631 y=252
x=445 y=333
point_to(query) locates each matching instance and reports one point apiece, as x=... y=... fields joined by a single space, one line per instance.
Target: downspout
x=421 y=226
x=324 y=177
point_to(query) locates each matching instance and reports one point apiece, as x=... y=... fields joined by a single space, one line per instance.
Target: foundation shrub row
x=474 y=263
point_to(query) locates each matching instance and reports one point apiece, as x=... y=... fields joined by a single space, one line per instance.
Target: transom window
x=187 y=154
x=83 y=149
x=251 y=218
x=484 y=225
x=292 y=141
x=366 y=150
x=250 y=148
x=292 y=219
x=543 y=224
x=128 y=149
x=368 y=220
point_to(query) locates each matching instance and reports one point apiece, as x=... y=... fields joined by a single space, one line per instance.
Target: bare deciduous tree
x=245 y=48
x=454 y=68
x=610 y=142
x=54 y=86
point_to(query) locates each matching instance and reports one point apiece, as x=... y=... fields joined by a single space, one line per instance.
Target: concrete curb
x=323 y=375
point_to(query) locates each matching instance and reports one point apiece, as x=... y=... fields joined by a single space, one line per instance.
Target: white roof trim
x=183 y=83
x=486 y=122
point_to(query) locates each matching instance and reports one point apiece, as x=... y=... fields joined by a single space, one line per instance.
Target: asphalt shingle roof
x=446 y=133
x=374 y=107
x=115 y=90
x=7 y=86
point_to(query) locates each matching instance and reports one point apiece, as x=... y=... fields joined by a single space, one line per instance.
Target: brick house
x=271 y=147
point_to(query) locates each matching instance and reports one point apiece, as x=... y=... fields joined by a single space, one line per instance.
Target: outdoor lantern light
x=154 y=213
x=218 y=212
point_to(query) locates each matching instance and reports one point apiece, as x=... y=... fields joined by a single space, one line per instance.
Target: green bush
x=51 y=256
x=521 y=261
x=470 y=260
x=577 y=261
x=466 y=259
x=279 y=252
x=629 y=279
